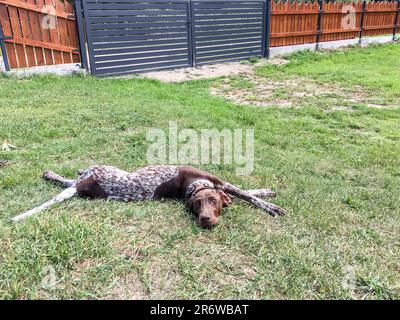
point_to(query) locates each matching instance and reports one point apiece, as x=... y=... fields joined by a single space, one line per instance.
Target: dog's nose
x=205 y=219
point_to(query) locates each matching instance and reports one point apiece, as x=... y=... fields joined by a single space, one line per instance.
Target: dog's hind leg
x=51 y=176
x=66 y=194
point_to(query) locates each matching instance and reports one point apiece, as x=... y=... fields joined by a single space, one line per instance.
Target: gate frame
x=81 y=35
x=266 y=29
x=191 y=35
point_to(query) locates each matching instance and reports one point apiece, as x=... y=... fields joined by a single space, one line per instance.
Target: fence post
x=364 y=9
x=81 y=34
x=396 y=20
x=319 y=23
x=266 y=30
x=3 y=49
x=191 y=41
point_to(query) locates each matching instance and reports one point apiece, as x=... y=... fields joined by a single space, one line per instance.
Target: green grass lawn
x=337 y=172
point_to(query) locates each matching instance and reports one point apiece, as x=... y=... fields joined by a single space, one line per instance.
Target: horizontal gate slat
x=225 y=6
x=215 y=30
x=228 y=57
x=180 y=59
x=136 y=19
x=141 y=37
x=225 y=1
x=211 y=52
x=226 y=41
x=146 y=48
x=226 y=46
x=228 y=16
x=153 y=31
x=226 y=22
x=228 y=33
x=150 y=63
x=224 y=37
x=248 y=27
x=144 y=1
x=134 y=6
x=122 y=25
x=106 y=13
x=139 y=58
x=139 y=43
x=244 y=12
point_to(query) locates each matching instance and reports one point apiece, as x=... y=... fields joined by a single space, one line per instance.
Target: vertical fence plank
x=45 y=34
x=16 y=29
x=35 y=27
x=27 y=33
x=54 y=36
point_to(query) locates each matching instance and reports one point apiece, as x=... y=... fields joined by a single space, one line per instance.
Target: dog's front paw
x=275 y=210
x=47 y=174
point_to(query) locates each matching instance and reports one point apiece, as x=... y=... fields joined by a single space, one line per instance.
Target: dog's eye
x=213 y=201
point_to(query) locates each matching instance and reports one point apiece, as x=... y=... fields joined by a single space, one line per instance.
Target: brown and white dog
x=204 y=193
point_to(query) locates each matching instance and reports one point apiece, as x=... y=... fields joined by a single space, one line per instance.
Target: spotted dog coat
x=149 y=183
x=115 y=184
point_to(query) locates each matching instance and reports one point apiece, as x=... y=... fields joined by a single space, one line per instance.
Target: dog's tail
x=66 y=194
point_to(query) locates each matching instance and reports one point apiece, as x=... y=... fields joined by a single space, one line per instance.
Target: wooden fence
x=39 y=32
x=297 y=22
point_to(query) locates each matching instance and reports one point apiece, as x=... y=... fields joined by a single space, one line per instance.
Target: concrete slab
x=2 y=67
x=60 y=70
x=279 y=51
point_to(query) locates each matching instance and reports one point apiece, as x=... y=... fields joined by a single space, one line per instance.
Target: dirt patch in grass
x=288 y=91
x=203 y=72
x=227 y=69
x=128 y=287
x=250 y=89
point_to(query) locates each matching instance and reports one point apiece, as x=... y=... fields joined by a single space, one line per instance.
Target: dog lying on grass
x=204 y=193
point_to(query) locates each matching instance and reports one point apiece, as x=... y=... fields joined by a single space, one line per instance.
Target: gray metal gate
x=227 y=30
x=131 y=36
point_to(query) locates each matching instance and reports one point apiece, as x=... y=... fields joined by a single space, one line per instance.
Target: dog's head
x=207 y=205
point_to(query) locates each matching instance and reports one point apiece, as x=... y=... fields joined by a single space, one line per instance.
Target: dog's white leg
x=66 y=194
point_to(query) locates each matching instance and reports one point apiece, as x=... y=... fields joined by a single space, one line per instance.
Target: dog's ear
x=226 y=201
x=189 y=203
